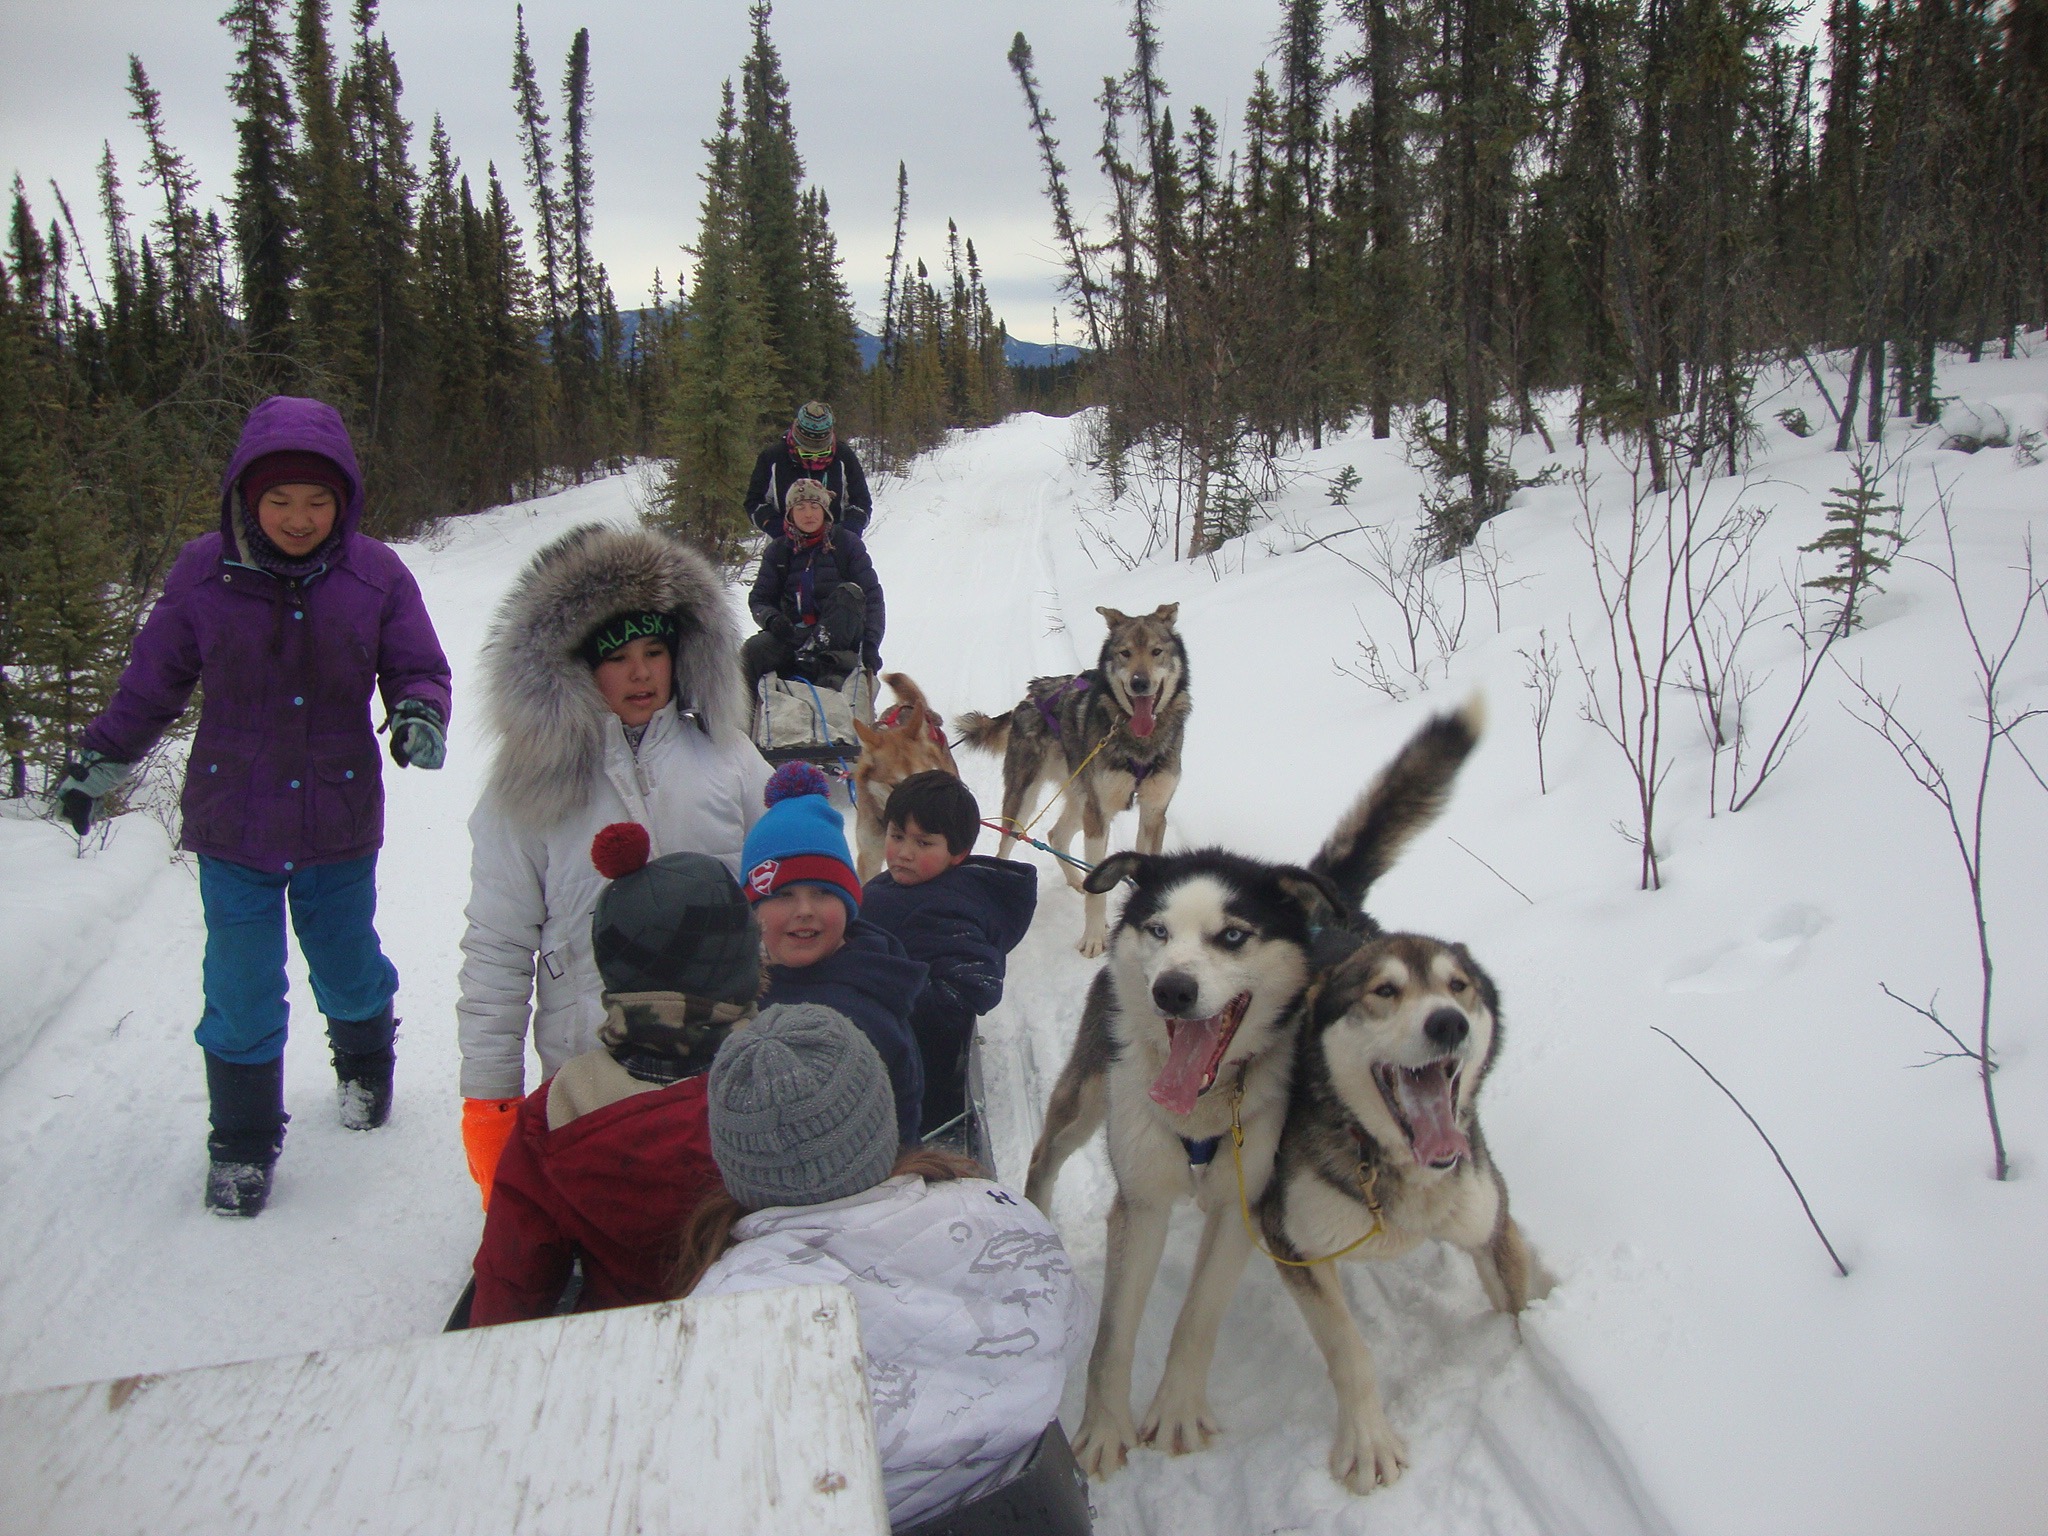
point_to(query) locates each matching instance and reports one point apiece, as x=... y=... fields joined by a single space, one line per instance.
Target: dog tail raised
x=912 y=698
x=1408 y=795
x=979 y=731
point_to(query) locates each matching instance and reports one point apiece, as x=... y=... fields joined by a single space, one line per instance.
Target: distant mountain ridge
x=1018 y=354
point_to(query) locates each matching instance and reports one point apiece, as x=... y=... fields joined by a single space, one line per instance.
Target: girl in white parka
x=612 y=680
x=970 y=1313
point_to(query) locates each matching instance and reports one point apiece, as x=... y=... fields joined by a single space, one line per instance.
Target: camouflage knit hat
x=811 y=434
x=673 y=924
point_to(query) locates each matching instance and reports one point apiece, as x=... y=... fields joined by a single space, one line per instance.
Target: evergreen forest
x=1440 y=211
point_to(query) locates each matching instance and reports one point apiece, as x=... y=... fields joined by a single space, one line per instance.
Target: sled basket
x=795 y=718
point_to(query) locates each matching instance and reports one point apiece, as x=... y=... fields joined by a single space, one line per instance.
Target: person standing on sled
x=809 y=450
x=612 y=680
x=292 y=620
x=816 y=597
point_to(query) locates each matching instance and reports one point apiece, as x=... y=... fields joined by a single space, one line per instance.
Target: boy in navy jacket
x=797 y=873
x=958 y=912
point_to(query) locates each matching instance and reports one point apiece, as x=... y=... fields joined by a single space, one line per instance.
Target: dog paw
x=1104 y=1441
x=1092 y=944
x=1367 y=1454
x=1180 y=1425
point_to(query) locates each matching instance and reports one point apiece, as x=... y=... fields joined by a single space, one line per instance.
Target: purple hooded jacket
x=285 y=770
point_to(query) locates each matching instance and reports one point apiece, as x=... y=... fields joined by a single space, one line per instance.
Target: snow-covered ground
x=1698 y=1368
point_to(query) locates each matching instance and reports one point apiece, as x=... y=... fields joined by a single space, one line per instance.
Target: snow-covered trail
x=1699 y=1367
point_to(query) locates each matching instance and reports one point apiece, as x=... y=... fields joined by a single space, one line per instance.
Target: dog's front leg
x=1094 y=848
x=1180 y=1419
x=1137 y=1236
x=1366 y=1454
x=1154 y=795
x=869 y=831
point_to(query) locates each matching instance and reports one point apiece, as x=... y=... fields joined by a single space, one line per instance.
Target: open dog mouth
x=1141 y=714
x=1194 y=1051
x=1425 y=1102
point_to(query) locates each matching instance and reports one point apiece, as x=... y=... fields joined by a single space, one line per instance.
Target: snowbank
x=62 y=911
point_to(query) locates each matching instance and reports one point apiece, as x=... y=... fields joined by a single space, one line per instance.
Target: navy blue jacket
x=963 y=924
x=786 y=572
x=874 y=983
x=778 y=468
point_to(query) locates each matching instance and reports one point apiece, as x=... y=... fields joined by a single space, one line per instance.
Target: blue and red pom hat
x=801 y=841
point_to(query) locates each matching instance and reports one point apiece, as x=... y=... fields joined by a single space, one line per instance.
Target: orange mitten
x=486 y=1127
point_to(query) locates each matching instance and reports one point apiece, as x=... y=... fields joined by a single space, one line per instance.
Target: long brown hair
x=708 y=1233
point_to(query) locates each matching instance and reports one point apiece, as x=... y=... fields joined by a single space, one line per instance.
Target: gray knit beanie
x=801 y=1109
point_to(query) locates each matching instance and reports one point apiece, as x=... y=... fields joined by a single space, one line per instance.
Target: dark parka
x=963 y=923
x=874 y=983
x=839 y=557
x=778 y=468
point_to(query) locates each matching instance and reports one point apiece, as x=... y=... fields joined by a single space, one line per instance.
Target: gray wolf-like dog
x=1187 y=1038
x=1381 y=1150
x=1111 y=736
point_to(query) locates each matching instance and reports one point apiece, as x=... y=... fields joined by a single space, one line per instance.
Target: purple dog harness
x=1138 y=771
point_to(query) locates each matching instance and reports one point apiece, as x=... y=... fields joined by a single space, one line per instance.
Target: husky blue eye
x=1157 y=930
x=1233 y=938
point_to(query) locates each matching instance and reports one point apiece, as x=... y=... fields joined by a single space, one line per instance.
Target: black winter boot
x=246 y=1102
x=363 y=1064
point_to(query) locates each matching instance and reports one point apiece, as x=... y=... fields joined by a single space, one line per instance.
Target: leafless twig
x=1812 y=1220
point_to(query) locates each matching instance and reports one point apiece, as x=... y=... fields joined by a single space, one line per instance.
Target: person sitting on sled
x=970 y=1313
x=798 y=873
x=291 y=620
x=959 y=913
x=808 y=450
x=817 y=598
x=611 y=1155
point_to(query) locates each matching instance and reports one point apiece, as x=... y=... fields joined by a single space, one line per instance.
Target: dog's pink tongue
x=1190 y=1045
x=1141 y=715
x=1427 y=1107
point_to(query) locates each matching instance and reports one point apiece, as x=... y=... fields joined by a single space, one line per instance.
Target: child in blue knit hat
x=796 y=869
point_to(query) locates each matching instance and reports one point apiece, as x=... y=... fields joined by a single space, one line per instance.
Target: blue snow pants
x=333 y=909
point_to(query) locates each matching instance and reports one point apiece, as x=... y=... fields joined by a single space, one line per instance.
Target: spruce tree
x=1862 y=537
x=770 y=174
x=265 y=221
x=726 y=392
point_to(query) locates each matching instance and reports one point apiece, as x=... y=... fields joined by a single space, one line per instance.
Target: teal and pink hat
x=801 y=841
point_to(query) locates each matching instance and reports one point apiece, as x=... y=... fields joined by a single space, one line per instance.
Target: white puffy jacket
x=970 y=1315
x=563 y=769
x=532 y=893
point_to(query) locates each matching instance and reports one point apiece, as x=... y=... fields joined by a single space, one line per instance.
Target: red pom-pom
x=620 y=849
x=793 y=779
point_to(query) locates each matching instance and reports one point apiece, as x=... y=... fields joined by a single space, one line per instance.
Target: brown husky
x=909 y=738
x=1107 y=737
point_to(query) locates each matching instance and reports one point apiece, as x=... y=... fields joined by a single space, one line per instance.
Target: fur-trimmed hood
x=539 y=697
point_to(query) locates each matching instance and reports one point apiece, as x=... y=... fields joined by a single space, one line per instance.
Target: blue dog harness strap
x=1201 y=1152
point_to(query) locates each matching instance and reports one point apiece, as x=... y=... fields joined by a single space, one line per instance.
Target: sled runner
x=967 y=1132
x=795 y=718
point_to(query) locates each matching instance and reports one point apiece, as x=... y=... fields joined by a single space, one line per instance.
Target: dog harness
x=1201 y=1153
x=893 y=716
x=1077 y=684
x=1138 y=771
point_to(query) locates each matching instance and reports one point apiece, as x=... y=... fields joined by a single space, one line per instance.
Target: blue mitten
x=417 y=739
x=85 y=783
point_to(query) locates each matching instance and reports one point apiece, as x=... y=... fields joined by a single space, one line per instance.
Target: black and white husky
x=1188 y=1037
x=1381 y=1150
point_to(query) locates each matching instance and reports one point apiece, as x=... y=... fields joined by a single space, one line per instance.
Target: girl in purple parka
x=292 y=619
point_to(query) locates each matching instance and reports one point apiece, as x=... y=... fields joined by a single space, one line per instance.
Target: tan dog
x=909 y=738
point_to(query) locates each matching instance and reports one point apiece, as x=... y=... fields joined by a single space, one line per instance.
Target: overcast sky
x=871 y=82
